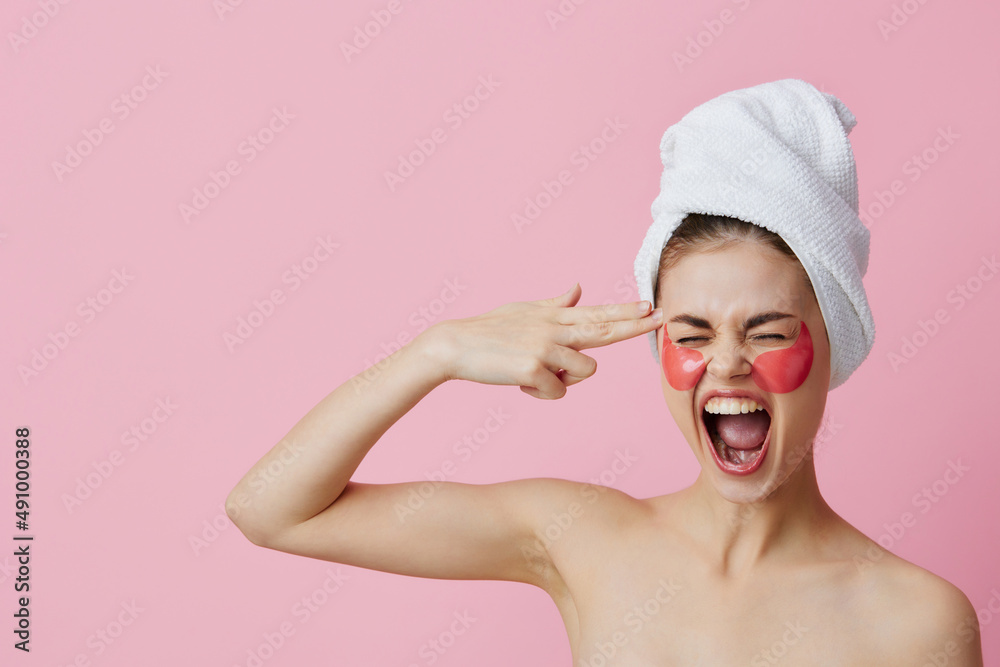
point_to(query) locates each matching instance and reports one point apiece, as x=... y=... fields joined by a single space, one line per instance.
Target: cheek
x=682 y=365
x=782 y=371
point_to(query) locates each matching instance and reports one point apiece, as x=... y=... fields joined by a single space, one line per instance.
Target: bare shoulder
x=568 y=512
x=570 y=520
x=924 y=616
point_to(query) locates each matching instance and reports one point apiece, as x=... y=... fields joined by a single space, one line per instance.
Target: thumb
x=568 y=298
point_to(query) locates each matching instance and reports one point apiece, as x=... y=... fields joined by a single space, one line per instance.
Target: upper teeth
x=718 y=405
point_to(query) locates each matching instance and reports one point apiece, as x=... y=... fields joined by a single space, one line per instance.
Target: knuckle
x=574 y=336
x=604 y=329
x=534 y=368
x=584 y=331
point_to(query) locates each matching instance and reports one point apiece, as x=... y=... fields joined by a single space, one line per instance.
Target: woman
x=748 y=565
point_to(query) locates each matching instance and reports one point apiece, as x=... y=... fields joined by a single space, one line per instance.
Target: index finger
x=596 y=326
x=608 y=312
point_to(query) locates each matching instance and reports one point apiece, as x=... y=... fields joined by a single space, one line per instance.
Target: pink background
x=161 y=336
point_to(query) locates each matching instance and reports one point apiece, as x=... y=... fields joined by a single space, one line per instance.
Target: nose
x=727 y=360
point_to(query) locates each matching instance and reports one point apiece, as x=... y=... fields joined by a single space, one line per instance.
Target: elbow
x=257 y=537
x=255 y=534
x=238 y=510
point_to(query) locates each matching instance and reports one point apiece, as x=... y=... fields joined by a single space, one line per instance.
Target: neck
x=739 y=538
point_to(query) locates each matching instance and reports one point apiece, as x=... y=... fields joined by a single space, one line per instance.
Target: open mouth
x=738 y=430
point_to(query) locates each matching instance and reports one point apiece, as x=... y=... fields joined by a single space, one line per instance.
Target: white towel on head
x=776 y=155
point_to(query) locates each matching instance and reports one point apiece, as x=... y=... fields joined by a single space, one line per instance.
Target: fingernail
x=658 y=315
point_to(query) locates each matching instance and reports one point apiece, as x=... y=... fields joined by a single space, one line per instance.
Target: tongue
x=743 y=431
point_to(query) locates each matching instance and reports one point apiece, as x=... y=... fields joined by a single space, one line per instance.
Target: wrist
x=433 y=346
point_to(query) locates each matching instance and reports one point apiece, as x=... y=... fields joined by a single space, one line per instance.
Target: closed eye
x=690 y=338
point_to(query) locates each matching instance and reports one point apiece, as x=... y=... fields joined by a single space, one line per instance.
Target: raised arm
x=309 y=468
x=299 y=498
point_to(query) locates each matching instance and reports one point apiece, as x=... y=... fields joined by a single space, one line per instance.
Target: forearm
x=308 y=469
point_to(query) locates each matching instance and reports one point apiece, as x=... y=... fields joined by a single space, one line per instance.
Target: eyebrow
x=749 y=323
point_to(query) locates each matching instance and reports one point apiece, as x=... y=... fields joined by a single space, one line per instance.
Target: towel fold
x=776 y=155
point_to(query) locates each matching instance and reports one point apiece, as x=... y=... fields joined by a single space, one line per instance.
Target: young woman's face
x=710 y=301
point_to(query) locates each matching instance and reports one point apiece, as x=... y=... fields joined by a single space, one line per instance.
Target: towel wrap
x=776 y=155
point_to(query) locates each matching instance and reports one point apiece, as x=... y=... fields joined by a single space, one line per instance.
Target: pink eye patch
x=776 y=371
x=682 y=365
x=782 y=371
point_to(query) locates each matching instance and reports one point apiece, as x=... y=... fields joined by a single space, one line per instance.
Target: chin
x=740 y=493
x=743 y=489
x=779 y=465
x=782 y=453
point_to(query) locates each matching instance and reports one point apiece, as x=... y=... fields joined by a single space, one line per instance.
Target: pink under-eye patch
x=682 y=365
x=776 y=371
x=782 y=371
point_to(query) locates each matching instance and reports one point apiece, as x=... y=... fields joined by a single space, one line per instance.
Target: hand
x=535 y=344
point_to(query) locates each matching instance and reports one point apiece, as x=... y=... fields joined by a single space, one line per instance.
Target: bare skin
x=731 y=570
